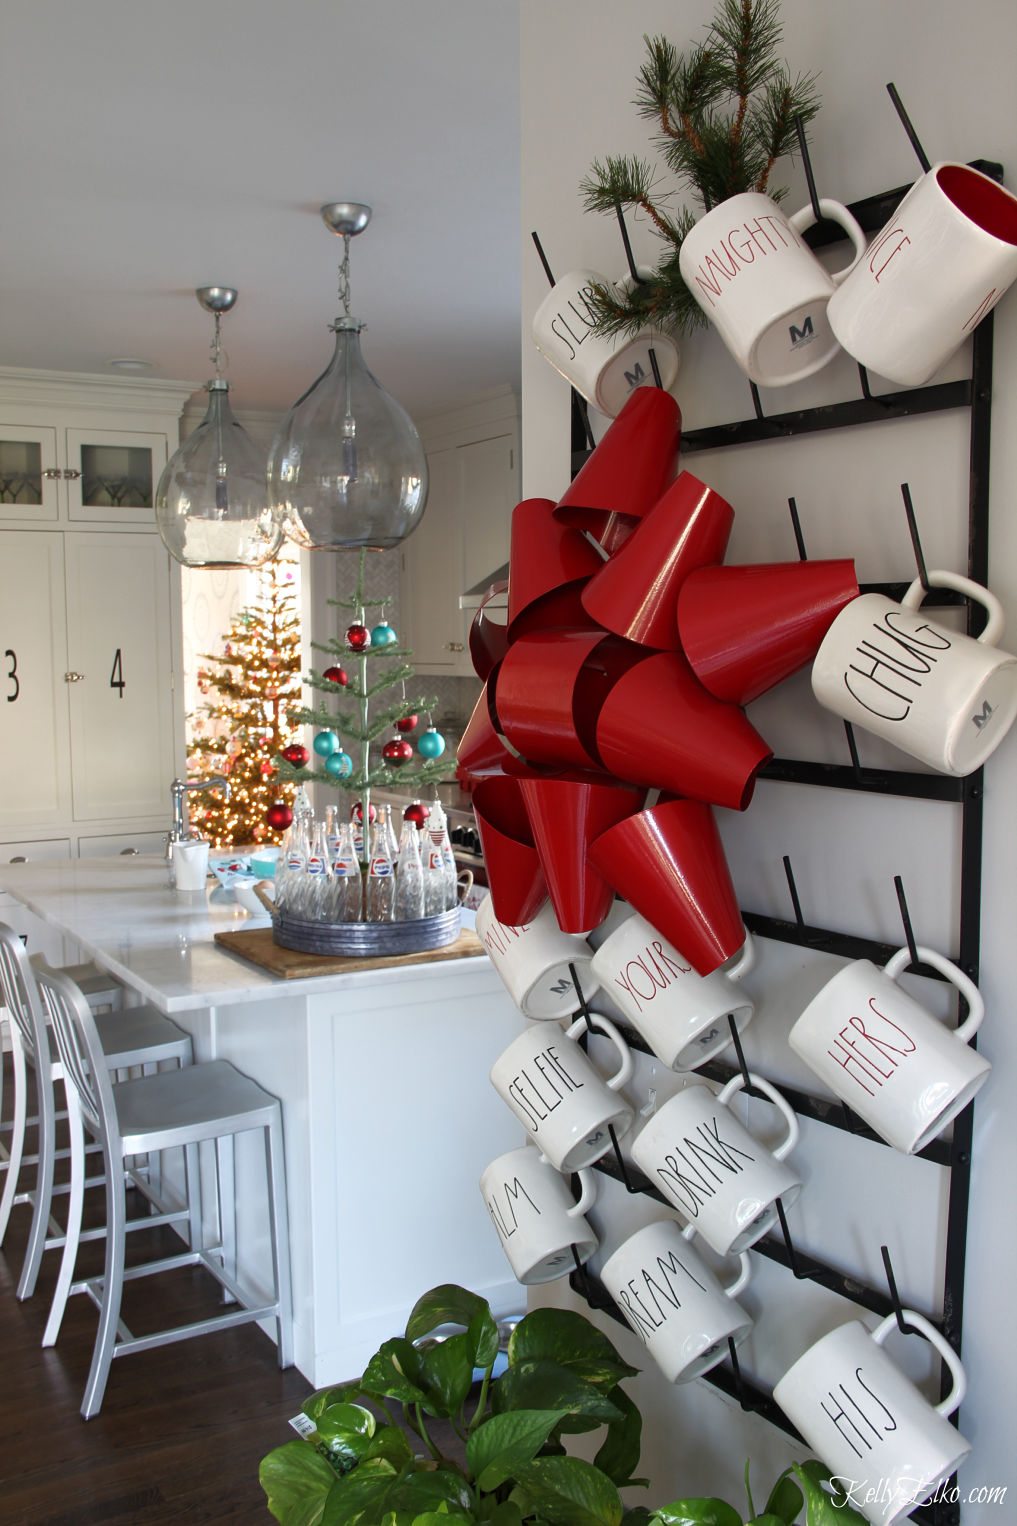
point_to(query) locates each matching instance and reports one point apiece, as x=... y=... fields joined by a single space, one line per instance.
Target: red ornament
x=278 y=816
x=357 y=812
x=417 y=812
x=358 y=637
x=266 y=768
x=406 y=723
x=337 y=675
x=296 y=754
x=397 y=752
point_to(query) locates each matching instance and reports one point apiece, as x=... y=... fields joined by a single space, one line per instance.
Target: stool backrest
x=19 y=995
x=80 y=1048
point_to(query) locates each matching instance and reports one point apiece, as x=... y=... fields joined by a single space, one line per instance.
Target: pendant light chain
x=215 y=349
x=344 y=276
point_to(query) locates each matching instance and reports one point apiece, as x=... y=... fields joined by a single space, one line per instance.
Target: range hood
x=475 y=596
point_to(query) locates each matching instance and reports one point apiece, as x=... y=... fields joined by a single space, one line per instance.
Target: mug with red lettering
x=884 y=1054
x=536 y=961
x=946 y=698
x=684 y=1017
x=759 y=283
x=558 y=1094
x=542 y=1228
x=941 y=263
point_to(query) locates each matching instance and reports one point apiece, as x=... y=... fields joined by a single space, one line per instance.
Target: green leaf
x=505 y=1514
x=697 y=1512
x=446 y=1373
x=568 y=1338
x=619 y=1454
x=637 y=1515
x=394 y=1371
x=785 y=1500
x=391 y=1444
x=453 y=1305
x=546 y=1385
x=440 y=1517
x=362 y=1493
x=324 y=1398
x=499 y=1447
x=297 y=1482
x=567 y=1491
x=824 y=1509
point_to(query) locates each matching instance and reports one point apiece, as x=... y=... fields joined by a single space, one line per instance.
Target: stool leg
x=192 y=1186
x=112 y=1288
x=43 y=1181
x=17 y=1131
x=225 y=1151
x=75 y=1202
x=279 y=1216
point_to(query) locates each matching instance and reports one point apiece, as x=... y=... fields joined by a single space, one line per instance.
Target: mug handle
x=836 y=212
x=993 y=632
x=587 y=1193
x=946 y=1351
x=790 y=1117
x=744 y=1266
x=966 y=1030
x=746 y=960
x=596 y=1019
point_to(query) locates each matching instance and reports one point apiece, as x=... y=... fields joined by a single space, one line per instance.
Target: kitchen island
x=388 y=1114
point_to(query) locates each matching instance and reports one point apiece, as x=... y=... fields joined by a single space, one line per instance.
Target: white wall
x=956 y=69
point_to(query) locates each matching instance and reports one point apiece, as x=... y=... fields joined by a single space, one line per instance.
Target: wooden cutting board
x=257 y=945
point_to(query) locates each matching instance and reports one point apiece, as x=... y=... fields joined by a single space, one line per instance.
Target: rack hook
x=796 y=525
x=792 y=887
x=743 y=1399
x=583 y=1008
x=619 y=1157
x=849 y=732
x=633 y=270
x=757 y=405
x=916 y=543
x=891 y=1282
x=898 y=885
x=807 y=165
x=543 y=258
x=792 y=1257
x=863 y=377
x=923 y=158
x=736 y=1039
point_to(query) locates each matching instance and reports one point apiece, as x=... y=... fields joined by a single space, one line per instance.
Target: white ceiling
x=152 y=146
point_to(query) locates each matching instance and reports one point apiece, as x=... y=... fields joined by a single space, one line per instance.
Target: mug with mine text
x=884 y=1054
x=684 y=1017
x=535 y=961
x=541 y=1226
x=759 y=283
x=673 y=1301
x=886 y=1446
x=717 y=1174
x=946 y=698
x=558 y=1094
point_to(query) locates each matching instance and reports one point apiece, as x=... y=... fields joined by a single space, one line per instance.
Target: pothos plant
x=725 y=112
x=511 y=1468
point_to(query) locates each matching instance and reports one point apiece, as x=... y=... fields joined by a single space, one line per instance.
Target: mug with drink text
x=885 y=1055
x=538 y=1221
x=534 y=961
x=946 y=698
x=717 y=1174
x=759 y=283
x=559 y=1096
x=673 y=1301
x=684 y=1017
x=886 y=1446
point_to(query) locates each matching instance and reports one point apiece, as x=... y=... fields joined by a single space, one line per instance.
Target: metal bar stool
x=210 y=1101
x=130 y=1036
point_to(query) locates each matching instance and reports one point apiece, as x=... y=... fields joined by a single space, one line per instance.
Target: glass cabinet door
x=28 y=474
x=112 y=475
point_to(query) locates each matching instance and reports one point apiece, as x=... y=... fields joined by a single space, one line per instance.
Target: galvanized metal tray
x=366 y=939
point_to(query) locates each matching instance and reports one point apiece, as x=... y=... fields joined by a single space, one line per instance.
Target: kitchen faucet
x=181 y=828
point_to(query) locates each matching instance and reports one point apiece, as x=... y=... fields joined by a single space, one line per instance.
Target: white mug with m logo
x=761 y=286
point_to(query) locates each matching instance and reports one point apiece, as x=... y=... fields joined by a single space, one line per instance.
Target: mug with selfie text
x=684 y=1017
x=558 y=1094
x=941 y=263
x=759 y=283
x=946 y=698
x=884 y=1054
x=718 y=1175
x=886 y=1446
x=542 y=1228
x=673 y=1301
x=536 y=961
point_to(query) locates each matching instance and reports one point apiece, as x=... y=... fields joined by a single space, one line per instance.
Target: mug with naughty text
x=559 y=1096
x=684 y=1017
x=542 y=1228
x=759 y=283
x=673 y=1301
x=946 y=698
x=718 y=1175
x=536 y=961
x=884 y=1054
x=604 y=368
x=941 y=263
x=886 y=1446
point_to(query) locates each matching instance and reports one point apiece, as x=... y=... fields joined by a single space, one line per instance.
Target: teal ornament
x=431 y=744
x=326 y=743
x=383 y=635
x=339 y=765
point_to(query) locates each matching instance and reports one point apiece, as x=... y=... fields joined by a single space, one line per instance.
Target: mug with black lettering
x=718 y=1175
x=536 y=961
x=761 y=286
x=945 y=698
x=604 y=368
x=684 y=1017
x=542 y=1228
x=559 y=1096
x=673 y=1301
x=884 y=1054
x=886 y=1446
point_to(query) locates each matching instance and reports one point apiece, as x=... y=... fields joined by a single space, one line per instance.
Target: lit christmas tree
x=256 y=679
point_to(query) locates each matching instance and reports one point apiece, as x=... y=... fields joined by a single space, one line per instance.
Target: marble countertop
x=159 y=941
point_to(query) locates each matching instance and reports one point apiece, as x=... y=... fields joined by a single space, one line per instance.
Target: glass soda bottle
x=381 y=880
x=290 y=870
x=409 y=876
x=434 y=875
x=318 y=878
x=437 y=828
x=347 y=881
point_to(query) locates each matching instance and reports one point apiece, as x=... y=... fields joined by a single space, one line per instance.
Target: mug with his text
x=946 y=698
x=684 y=1017
x=534 y=961
x=886 y=1446
x=538 y=1221
x=879 y=1050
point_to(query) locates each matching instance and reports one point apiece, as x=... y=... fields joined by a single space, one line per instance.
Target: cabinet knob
x=70 y=475
x=455 y=646
x=73 y=678
x=52 y=472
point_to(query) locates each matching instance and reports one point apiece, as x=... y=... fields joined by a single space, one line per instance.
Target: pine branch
x=626 y=182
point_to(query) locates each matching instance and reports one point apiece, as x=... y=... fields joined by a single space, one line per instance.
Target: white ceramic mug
x=879 y=1050
x=759 y=283
x=944 y=697
x=537 y=1219
x=533 y=961
x=561 y=1099
x=681 y=1015
x=885 y=1444
x=605 y=369
x=674 y=1302
x=189 y=864
x=717 y=1174
x=941 y=263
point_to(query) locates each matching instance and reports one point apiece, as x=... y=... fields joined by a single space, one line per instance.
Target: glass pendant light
x=347 y=468
x=211 y=505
